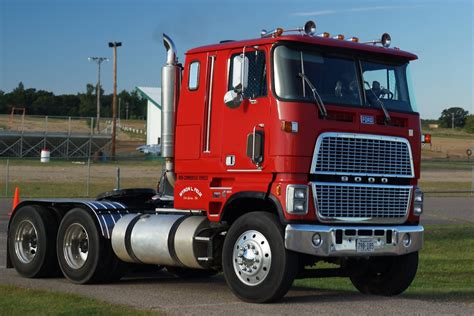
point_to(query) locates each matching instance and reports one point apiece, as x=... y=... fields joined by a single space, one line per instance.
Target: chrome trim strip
x=378 y=220
x=209 y=105
x=361 y=136
x=244 y=170
x=298 y=237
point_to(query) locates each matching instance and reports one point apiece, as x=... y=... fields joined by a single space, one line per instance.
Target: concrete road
x=170 y=295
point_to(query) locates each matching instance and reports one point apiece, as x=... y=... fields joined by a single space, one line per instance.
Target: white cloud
x=363 y=9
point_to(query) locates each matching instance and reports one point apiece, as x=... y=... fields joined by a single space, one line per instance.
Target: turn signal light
x=426 y=138
x=289 y=127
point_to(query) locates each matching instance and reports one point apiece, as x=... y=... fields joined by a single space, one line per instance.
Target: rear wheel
x=31 y=242
x=256 y=265
x=83 y=254
x=387 y=275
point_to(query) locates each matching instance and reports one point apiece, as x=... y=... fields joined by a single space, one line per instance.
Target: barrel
x=45 y=155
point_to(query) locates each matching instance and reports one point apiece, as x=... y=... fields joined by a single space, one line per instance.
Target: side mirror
x=233 y=98
x=240 y=72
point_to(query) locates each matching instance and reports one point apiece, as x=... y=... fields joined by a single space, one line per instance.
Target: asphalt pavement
x=165 y=293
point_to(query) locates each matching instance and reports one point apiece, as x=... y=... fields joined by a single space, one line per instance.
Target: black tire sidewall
x=86 y=273
x=283 y=265
x=394 y=281
x=44 y=262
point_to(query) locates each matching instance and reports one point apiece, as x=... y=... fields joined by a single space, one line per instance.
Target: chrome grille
x=373 y=203
x=361 y=154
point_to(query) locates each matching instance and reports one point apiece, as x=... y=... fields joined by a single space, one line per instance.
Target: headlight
x=300 y=193
x=297 y=199
x=418 y=202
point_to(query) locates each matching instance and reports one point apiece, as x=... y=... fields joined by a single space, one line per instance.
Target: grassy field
x=20 y=301
x=445 y=272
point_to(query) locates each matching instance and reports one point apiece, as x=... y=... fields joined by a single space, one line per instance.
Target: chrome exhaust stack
x=170 y=87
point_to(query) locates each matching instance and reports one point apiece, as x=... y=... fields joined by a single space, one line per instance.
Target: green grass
x=20 y=301
x=428 y=186
x=41 y=189
x=447 y=165
x=448 y=132
x=445 y=271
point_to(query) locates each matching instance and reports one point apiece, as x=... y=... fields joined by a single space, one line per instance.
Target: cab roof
x=311 y=40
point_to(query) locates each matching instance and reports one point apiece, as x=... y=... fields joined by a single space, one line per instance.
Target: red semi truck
x=281 y=152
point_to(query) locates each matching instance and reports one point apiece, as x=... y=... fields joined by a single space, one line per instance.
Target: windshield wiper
x=316 y=96
x=385 y=112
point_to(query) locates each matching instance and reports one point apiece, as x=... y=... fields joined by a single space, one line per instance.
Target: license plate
x=365 y=245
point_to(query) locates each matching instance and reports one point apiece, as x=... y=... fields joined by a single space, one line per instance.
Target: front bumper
x=337 y=241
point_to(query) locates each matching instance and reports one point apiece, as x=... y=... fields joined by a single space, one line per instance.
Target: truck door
x=244 y=143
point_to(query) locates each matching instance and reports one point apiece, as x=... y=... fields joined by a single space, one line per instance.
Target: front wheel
x=256 y=265
x=387 y=275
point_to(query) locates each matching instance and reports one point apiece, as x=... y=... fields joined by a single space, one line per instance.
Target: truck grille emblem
x=367 y=119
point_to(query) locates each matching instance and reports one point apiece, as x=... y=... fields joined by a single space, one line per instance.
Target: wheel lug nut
x=253 y=247
x=255 y=267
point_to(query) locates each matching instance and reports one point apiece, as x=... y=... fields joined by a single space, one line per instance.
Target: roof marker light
x=310 y=28
x=339 y=37
x=325 y=35
x=354 y=39
x=386 y=40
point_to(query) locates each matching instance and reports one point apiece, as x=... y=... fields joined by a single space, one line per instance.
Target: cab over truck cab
x=281 y=152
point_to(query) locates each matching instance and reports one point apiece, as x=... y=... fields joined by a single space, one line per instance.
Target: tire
x=387 y=276
x=32 y=242
x=186 y=273
x=83 y=254
x=257 y=267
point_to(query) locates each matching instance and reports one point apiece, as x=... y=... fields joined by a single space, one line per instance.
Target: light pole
x=114 y=45
x=99 y=61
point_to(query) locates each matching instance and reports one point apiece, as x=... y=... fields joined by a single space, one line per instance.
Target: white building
x=153 y=121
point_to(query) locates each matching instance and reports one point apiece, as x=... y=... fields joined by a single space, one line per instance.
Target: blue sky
x=45 y=43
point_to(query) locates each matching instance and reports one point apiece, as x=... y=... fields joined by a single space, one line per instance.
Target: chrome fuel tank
x=163 y=239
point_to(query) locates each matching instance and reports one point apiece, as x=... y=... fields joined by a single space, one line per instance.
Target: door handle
x=262 y=126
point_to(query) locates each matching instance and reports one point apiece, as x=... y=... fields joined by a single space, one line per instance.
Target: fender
x=107 y=213
x=269 y=198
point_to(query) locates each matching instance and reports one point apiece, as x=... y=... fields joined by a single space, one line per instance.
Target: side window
x=257 y=74
x=193 y=83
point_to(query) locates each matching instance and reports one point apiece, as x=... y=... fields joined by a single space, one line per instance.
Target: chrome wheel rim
x=26 y=242
x=76 y=246
x=252 y=257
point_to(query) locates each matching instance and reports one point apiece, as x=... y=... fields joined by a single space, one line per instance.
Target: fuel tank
x=162 y=239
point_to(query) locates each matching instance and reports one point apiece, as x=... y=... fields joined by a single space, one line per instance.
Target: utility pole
x=99 y=61
x=114 y=45
x=452 y=120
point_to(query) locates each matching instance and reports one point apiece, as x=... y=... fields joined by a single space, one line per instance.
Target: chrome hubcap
x=26 y=242
x=76 y=246
x=252 y=257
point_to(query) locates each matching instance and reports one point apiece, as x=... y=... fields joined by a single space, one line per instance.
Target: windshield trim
x=355 y=56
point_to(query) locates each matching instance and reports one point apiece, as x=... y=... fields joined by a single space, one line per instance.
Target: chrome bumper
x=337 y=241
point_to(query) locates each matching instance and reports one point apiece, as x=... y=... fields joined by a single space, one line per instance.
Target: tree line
x=455 y=117
x=41 y=102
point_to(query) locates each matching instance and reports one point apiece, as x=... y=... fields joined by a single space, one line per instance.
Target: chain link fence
x=75 y=179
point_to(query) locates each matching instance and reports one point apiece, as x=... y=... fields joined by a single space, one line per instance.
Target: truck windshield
x=337 y=79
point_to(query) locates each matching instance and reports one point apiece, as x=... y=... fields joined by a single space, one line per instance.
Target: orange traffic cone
x=16 y=200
